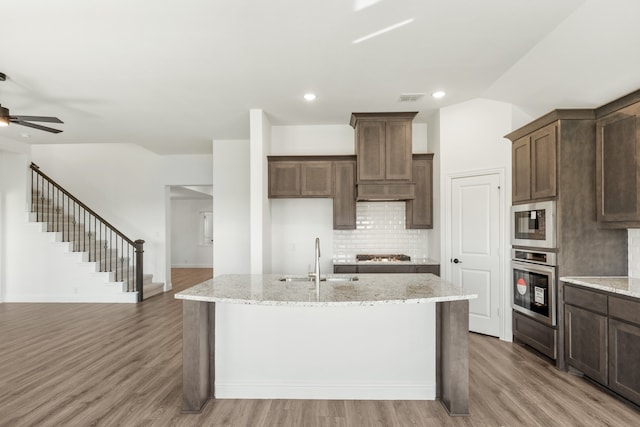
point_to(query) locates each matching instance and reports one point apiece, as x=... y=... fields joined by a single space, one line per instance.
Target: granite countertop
x=616 y=284
x=369 y=289
x=416 y=261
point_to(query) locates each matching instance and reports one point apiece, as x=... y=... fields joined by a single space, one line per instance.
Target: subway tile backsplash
x=380 y=229
x=634 y=252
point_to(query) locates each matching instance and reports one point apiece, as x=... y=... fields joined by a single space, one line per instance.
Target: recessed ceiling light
x=438 y=94
x=310 y=96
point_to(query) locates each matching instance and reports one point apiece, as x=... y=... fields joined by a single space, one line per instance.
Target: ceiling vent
x=410 y=97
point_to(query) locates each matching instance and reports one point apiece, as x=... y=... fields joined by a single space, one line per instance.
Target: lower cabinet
x=586 y=342
x=624 y=361
x=602 y=339
x=535 y=334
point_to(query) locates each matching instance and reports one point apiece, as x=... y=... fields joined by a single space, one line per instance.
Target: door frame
x=504 y=306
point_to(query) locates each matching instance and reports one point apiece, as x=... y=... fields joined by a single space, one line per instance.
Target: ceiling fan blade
x=35 y=126
x=37 y=119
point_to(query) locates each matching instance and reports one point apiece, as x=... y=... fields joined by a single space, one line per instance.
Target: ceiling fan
x=6 y=118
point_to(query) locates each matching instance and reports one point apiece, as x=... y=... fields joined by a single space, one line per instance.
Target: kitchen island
x=385 y=328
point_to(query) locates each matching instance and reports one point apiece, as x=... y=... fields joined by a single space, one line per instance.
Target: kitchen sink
x=340 y=278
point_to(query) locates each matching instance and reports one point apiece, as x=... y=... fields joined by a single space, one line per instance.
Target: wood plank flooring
x=120 y=364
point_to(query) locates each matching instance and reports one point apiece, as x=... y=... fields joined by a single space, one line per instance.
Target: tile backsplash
x=380 y=229
x=634 y=252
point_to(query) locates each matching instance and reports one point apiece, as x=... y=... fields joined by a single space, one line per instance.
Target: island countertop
x=369 y=289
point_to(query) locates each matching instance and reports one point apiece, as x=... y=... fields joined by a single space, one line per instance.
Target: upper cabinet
x=300 y=177
x=534 y=165
x=419 y=211
x=384 y=155
x=618 y=168
x=344 y=197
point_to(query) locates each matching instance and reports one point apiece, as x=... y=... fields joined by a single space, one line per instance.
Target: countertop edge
x=327 y=303
x=590 y=282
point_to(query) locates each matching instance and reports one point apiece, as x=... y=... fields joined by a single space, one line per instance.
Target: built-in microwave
x=534 y=225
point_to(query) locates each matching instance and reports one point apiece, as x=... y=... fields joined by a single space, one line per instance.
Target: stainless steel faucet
x=316 y=270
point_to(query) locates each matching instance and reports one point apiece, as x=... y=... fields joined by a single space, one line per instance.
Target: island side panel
x=452 y=356
x=198 y=354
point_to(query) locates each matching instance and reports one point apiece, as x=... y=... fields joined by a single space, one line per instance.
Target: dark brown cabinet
x=624 y=347
x=419 y=211
x=284 y=179
x=534 y=165
x=521 y=170
x=300 y=178
x=624 y=365
x=586 y=342
x=602 y=338
x=316 y=179
x=384 y=155
x=383 y=145
x=618 y=168
x=535 y=334
x=371 y=150
x=344 y=198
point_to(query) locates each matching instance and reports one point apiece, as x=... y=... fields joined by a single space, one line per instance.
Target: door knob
x=456 y=261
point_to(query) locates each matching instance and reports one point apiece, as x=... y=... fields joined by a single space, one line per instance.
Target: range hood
x=385 y=192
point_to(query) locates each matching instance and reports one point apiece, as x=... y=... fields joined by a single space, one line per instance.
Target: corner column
x=452 y=356
x=198 y=354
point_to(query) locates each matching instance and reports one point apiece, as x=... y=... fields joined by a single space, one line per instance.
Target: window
x=206 y=228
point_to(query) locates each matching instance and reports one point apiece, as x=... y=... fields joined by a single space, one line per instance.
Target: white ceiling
x=174 y=75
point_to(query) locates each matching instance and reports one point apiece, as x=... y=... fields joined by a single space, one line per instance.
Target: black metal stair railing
x=89 y=232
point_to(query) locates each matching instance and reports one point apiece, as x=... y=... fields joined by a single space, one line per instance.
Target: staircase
x=107 y=254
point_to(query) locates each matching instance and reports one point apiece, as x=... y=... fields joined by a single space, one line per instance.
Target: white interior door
x=475 y=247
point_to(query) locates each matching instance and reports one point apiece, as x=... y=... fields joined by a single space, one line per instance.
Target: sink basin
x=322 y=278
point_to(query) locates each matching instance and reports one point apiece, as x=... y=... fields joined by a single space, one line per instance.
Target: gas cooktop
x=382 y=258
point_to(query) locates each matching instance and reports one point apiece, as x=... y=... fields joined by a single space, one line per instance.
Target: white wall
x=472 y=140
x=13 y=167
x=231 y=205
x=295 y=224
x=260 y=145
x=187 y=249
x=125 y=184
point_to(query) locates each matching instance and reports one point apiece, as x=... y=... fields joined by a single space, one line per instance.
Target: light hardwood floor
x=120 y=364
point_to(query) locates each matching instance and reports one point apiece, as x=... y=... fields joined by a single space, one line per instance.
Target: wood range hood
x=384 y=156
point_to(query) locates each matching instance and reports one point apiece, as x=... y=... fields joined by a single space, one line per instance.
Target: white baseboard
x=326 y=391
x=124 y=297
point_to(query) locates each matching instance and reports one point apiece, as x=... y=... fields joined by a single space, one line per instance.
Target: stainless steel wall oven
x=534 y=284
